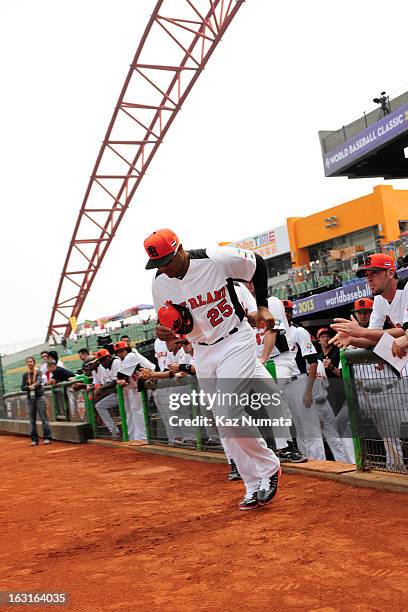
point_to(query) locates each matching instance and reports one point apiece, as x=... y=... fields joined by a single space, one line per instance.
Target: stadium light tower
x=177 y=43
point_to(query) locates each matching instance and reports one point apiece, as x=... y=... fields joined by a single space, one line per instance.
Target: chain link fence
x=378 y=406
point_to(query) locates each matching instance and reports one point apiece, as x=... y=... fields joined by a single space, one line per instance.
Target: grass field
x=125 y=531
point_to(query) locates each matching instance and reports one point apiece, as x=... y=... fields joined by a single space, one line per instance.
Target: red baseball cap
x=102 y=353
x=288 y=304
x=363 y=304
x=322 y=330
x=161 y=247
x=119 y=346
x=378 y=261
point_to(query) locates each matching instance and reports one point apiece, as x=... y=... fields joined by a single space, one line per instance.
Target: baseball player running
x=200 y=283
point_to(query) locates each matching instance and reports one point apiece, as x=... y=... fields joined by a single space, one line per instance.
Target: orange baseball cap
x=288 y=304
x=161 y=247
x=119 y=346
x=363 y=304
x=322 y=330
x=377 y=261
x=102 y=353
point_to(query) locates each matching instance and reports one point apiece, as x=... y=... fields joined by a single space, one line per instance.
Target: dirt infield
x=125 y=531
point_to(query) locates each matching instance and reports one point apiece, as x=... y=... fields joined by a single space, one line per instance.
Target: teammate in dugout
x=390 y=314
x=225 y=358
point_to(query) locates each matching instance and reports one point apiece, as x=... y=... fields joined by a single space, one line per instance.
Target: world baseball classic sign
x=368 y=140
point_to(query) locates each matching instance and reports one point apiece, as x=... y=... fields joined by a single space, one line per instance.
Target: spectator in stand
x=83 y=354
x=400 y=263
x=58 y=374
x=330 y=356
x=43 y=366
x=54 y=356
x=32 y=384
x=337 y=280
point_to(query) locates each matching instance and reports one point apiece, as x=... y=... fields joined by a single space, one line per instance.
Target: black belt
x=378 y=389
x=233 y=331
x=293 y=378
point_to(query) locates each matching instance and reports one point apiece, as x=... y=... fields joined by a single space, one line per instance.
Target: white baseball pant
x=228 y=367
x=329 y=429
x=134 y=413
x=102 y=407
x=308 y=432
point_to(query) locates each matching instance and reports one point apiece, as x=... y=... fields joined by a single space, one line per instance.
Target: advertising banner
x=340 y=296
x=368 y=140
x=271 y=243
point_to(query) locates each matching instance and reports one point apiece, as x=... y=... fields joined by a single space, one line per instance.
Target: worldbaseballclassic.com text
x=254 y=401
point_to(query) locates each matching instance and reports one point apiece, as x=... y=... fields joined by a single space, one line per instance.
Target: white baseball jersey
x=181 y=357
x=160 y=352
x=301 y=338
x=397 y=311
x=208 y=291
x=131 y=361
x=288 y=358
x=103 y=375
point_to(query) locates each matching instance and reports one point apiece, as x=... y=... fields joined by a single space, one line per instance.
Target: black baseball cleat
x=291 y=454
x=250 y=502
x=268 y=487
x=234 y=474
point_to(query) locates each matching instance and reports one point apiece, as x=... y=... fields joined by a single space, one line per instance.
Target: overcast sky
x=242 y=155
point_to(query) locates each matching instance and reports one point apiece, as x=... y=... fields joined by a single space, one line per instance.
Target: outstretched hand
x=341 y=340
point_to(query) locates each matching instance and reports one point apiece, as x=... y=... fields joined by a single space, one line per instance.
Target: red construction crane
x=169 y=59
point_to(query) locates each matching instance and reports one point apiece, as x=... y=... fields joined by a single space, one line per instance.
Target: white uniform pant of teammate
x=174 y=419
x=228 y=367
x=307 y=423
x=388 y=410
x=262 y=383
x=283 y=378
x=344 y=429
x=134 y=413
x=329 y=429
x=102 y=408
x=277 y=411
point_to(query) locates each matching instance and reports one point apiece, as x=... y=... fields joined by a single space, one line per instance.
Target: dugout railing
x=377 y=399
x=174 y=416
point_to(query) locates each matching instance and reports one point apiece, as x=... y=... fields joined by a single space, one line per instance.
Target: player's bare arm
x=308 y=395
x=400 y=346
x=269 y=344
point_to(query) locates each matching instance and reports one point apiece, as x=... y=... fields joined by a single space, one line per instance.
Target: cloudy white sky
x=242 y=155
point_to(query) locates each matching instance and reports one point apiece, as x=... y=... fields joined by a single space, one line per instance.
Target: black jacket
x=61 y=374
x=38 y=382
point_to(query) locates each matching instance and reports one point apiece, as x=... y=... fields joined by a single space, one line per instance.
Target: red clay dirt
x=126 y=531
